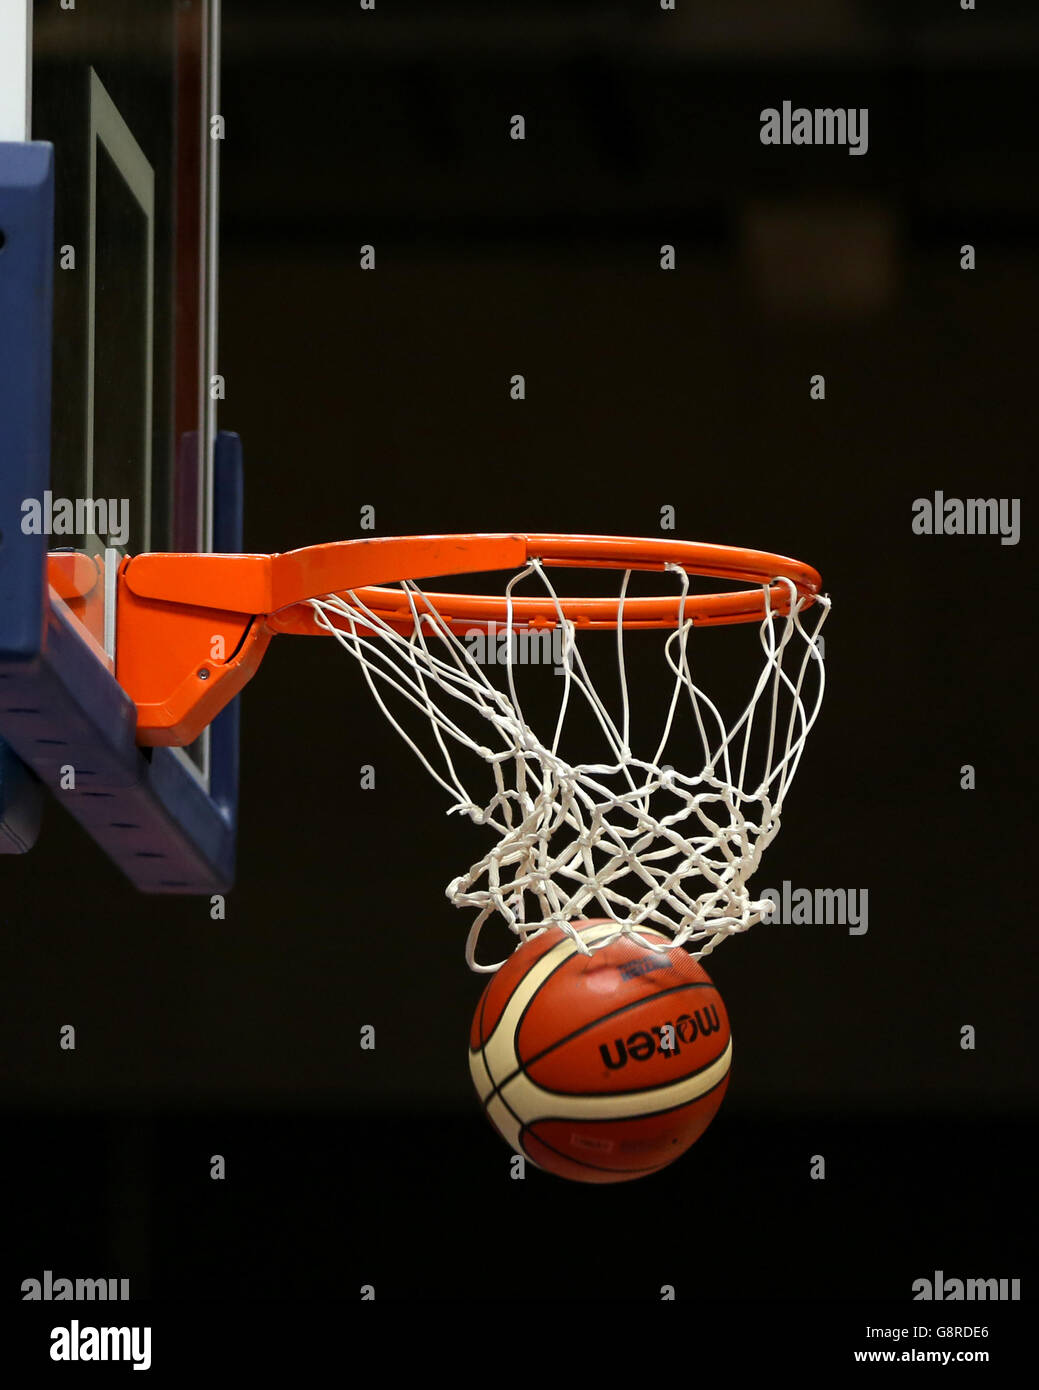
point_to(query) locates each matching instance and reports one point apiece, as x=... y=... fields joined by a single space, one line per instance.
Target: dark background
x=644 y=389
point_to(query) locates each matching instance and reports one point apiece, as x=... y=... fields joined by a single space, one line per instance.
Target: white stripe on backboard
x=15 y=69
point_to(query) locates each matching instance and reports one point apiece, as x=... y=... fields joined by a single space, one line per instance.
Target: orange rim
x=464 y=611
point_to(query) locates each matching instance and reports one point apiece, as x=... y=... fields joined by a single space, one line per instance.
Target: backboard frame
x=168 y=820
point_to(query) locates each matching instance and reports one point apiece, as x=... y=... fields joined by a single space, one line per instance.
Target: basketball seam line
x=621 y=1119
x=484 y=1040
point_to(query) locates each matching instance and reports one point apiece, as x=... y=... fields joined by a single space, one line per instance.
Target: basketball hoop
x=628 y=837
x=653 y=845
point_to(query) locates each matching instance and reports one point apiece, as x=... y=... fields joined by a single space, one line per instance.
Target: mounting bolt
x=203 y=675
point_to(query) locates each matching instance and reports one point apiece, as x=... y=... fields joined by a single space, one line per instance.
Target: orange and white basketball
x=601 y=1067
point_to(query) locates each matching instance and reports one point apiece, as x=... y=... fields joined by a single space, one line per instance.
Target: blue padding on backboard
x=26 y=284
x=26 y=303
x=60 y=707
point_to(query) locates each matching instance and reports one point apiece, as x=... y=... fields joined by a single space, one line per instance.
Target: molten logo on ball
x=552 y=1037
x=669 y=1038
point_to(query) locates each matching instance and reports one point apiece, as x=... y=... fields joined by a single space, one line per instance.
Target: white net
x=629 y=837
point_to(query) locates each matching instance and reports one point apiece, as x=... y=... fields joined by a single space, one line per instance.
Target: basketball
x=603 y=1067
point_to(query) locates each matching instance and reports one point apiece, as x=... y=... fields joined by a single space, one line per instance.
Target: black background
x=390 y=388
